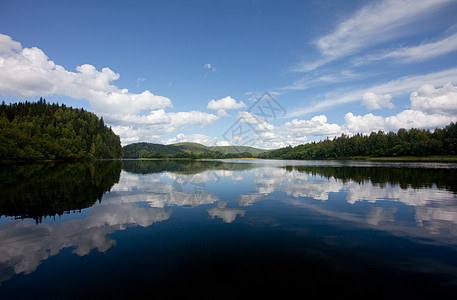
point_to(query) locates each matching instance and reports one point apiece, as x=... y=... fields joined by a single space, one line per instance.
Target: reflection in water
x=48 y=189
x=228 y=215
x=431 y=192
x=314 y=202
x=24 y=245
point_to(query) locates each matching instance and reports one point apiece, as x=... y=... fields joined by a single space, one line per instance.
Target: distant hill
x=188 y=150
x=192 y=147
x=236 y=149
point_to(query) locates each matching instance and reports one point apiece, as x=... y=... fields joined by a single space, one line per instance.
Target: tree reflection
x=181 y=166
x=404 y=177
x=48 y=189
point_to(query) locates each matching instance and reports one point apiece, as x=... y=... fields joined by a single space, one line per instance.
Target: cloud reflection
x=434 y=208
x=228 y=215
x=24 y=244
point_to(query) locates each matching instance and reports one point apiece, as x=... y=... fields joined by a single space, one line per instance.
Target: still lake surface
x=228 y=229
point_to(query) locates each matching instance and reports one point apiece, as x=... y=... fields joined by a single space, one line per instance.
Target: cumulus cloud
x=193 y=138
x=28 y=72
x=149 y=127
x=405 y=119
x=435 y=100
x=317 y=126
x=374 y=101
x=224 y=104
x=295 y=132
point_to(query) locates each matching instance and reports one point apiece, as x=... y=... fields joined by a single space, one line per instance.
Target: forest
x=44 y=131
x=188 y=151
x=413 y=142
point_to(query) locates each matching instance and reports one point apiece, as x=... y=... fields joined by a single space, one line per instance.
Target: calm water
x=228 y=229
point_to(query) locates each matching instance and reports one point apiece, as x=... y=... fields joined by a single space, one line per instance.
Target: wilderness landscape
x=228 y=150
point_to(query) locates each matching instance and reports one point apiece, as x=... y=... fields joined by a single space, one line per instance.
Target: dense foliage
x=413 y=142
x=188 y=150
x=40 y=130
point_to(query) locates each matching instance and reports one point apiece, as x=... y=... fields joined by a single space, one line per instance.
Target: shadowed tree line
x=40 y=130
x=47 y=189
x=413 y=142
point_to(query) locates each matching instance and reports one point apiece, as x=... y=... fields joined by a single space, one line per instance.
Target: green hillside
x=192 y=147
x=236 y=149
x=188 y=150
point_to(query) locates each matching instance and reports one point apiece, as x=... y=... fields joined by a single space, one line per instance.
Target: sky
x=260 y=73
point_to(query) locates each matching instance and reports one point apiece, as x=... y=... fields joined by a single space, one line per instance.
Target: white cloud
x=295 y=132
x=149 y=128
x=317 y=126
x=399 y=86
x=193 y=138
x=309 y=81
x=248 y=117
x=28 y=72
x=384 y=20
x=223 y=143
x=417 y=53
x=227 y=103
x=406 y=119
x=209 y=68
x=374 y=101
x=435 y=100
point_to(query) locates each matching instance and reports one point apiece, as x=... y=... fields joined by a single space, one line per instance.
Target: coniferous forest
x=40 y=130
x=413 y=142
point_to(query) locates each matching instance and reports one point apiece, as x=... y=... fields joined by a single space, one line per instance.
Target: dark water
x=228 y=229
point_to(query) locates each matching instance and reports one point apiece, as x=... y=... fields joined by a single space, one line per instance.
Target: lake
x=228 y=229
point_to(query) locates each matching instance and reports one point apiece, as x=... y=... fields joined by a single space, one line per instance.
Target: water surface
x=228 y=229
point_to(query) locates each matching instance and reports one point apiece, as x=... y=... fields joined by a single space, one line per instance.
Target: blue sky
x=171 y=71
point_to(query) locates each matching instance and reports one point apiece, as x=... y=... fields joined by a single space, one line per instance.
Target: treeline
x=413 y=142
x=186 y=151
x=40 y=130
x=199 y=155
